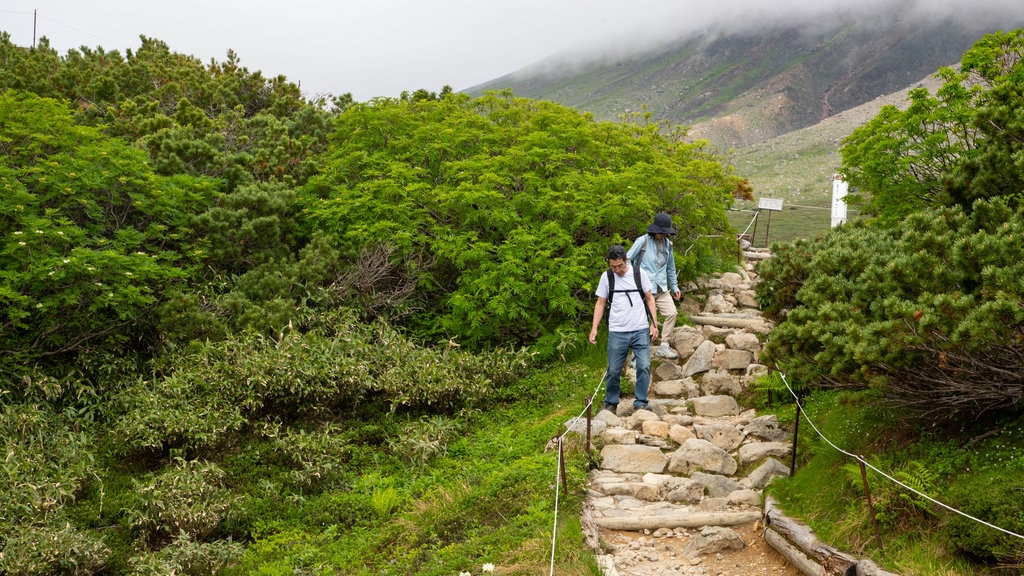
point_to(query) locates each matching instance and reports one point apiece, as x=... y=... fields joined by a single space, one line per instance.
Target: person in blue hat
x=653 y=253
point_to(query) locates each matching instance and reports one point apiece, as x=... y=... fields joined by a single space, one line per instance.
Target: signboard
x=839 y=190
x=770 y=204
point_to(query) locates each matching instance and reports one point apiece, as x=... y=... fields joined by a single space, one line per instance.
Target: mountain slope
x=760 y=83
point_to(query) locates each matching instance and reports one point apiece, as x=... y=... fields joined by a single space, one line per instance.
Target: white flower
x=39 y=231
x=17 y=233
x=127 y=273
x=21 y=243
x=465 y=574
x=66 y=260
x=488 y=567
x=40 y=305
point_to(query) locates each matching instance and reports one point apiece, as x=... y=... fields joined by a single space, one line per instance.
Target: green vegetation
x=247 y=333
x=904 y=331
x=242 y=332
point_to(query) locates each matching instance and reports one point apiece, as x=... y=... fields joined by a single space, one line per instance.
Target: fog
x=373 y=48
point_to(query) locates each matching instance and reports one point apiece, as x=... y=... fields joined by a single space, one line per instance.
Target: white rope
x=554 y=529
x=749 y=224
x=558 y=468
x=864 y=462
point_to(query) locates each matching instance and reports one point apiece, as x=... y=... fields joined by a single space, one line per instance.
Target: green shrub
x=184 y=499
x=46 y=459
x=189 y=558
x=53 y=549
x=422 y=440
x=996 y=497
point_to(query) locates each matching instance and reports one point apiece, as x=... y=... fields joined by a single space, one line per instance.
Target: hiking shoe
x=666 y=351
x=610 y=407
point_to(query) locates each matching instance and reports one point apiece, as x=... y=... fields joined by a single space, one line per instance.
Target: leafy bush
x=424 y=439
x=94 y=234
x=931 y=312
x=46 y=459
x=188 y=557
x=202 y=393
x=509 y=205
x=188 y=499
x=54 y=549
x=997 y=497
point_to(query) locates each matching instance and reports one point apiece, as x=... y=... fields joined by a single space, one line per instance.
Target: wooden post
x=867 y=492
x=753 y=236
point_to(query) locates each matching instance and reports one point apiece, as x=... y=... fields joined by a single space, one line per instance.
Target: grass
x=827 y=490
x=489 y=499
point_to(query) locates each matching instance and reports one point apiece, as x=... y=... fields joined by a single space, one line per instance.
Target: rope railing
x=560 y=468
x=863 y=462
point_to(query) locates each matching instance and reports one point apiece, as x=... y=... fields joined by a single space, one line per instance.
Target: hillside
x=778 y=99
x=766 y=81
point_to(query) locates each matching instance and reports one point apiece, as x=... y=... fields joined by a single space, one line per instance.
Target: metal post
x=561 y=464
x=867 y=492
x=796 y=429
x=588 y=404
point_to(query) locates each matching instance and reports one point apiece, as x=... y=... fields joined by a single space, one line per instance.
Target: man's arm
x=598 y=315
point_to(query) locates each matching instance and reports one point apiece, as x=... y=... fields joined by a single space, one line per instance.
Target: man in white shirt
x=631 y=326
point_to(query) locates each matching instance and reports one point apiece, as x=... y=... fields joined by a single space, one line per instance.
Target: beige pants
x=667 y=308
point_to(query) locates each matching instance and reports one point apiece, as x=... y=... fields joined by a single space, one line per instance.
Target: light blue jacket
x=662 y=277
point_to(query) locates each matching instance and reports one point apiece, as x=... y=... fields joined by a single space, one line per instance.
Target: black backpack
x=639 y=289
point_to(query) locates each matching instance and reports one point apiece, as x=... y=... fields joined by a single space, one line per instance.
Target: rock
x=683 y=490
x=713 y=539
x=656 y=428
x=730 y=359
x=701 y=359
x=718 y=486
x=633 y=458
x=618 y=436
x=743 y=341
x=680 y=434
x=696 y=454
x=764 y=473
x=715 y=405
x=719 y=381
x=745 y=497
x=752 y=452
x=767 y=428
x=724 y=436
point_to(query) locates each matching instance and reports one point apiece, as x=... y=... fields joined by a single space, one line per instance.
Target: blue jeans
x=619 y=345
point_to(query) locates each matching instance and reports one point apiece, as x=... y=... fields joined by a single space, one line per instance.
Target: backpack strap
x=639 y=289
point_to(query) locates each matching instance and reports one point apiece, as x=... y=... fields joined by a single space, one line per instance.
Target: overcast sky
x=382 y=47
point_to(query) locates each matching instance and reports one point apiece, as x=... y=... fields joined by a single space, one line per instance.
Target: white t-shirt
x=628 y=312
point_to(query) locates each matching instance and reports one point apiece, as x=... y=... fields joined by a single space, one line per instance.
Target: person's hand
x=654 y=331
x=676 y=294
x=593 y=336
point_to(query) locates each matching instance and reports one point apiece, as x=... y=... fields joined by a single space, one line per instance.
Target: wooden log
x=792 y=554
x=831 y=559
x=678 y=520
x=730 y=321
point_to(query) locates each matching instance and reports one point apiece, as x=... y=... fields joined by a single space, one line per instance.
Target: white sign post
x=839 y=191
x=771 y=205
